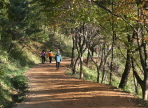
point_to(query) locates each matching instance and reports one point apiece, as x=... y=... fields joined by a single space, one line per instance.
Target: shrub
x=19 y=82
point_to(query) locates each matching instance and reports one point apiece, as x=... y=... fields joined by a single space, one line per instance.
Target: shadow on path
x=51 y=88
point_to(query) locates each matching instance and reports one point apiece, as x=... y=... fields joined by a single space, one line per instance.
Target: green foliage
x=5 y=93
x=20 y=58
x=19 y=82
x=89 y=74
x=13 y=83
x=18 y=23
x=5 y=100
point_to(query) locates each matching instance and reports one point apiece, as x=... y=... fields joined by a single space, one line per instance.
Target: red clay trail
x=51 y=88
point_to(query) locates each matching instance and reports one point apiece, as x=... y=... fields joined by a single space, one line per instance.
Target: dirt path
x=51 y=88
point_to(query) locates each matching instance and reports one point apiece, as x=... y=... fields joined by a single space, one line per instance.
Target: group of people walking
x=57 y=57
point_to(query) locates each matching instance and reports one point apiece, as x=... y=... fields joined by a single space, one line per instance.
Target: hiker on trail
x=92 y=49
x=58 y=51
x=58 y=59
x=50 y=55
x=43 y=54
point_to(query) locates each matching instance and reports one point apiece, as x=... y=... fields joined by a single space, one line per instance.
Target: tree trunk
x=106 y=55
x=137 y=76
x=73 y=54
x=88 y=57
x=127 y=67
x=81 y=67
x=99 y=67
x=146 y=73
x=126 y=71
x=75 y=65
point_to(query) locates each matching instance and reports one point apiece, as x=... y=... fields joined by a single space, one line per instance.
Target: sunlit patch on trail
x=51 y=88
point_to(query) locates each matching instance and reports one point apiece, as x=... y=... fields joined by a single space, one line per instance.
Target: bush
x=19 y=83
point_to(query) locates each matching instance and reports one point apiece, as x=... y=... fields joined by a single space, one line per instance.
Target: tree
x=16 y=25
x=135 y=22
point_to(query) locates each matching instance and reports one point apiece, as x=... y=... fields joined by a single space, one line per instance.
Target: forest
x=107 y=36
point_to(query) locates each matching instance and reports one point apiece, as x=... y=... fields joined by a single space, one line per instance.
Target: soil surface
x=51 y=88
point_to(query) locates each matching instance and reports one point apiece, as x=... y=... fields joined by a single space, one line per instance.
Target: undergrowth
x=13 y=83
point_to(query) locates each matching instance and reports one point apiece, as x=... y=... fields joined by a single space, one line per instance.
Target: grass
x=89 y=74
x=13 y=83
